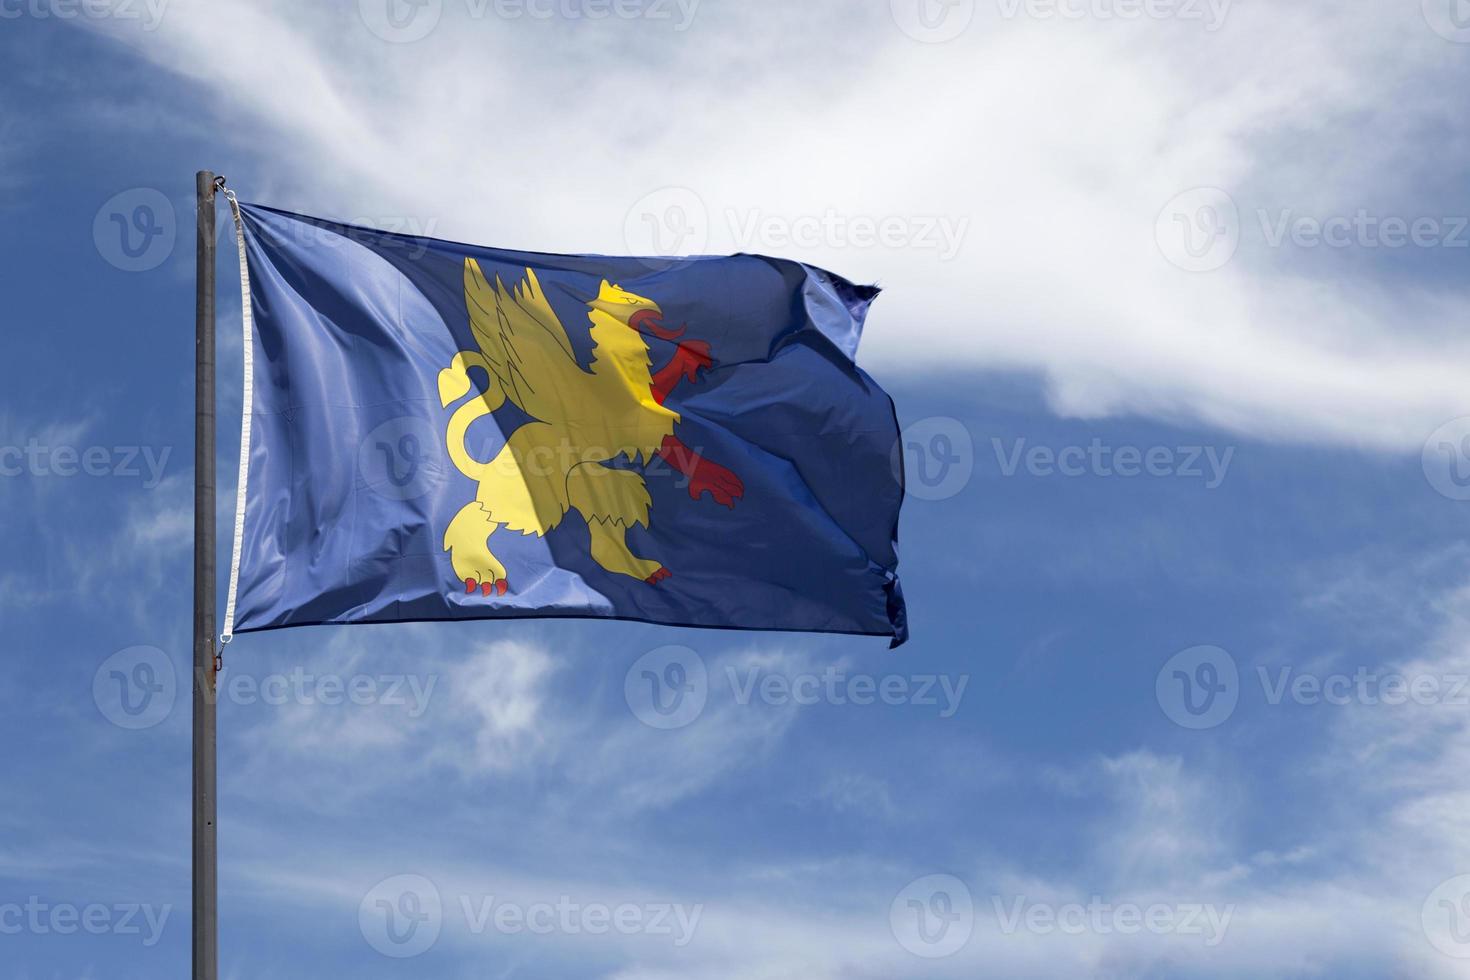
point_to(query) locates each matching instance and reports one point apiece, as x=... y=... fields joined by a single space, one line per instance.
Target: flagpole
x=205 y=853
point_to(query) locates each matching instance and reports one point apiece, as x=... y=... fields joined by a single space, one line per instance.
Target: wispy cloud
x=497 y=711
x=1057 y=143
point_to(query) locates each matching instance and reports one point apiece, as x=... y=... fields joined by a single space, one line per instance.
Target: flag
x=442 y=431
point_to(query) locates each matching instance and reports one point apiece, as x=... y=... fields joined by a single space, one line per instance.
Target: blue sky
x=1208 y=720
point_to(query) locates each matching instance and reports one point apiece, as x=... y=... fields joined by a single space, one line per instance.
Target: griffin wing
x=522 y=339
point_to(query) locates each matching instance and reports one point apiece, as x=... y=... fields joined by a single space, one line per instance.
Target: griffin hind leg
x=525 y=486
x=468 y=542
x=611 y=501
x=610 y=550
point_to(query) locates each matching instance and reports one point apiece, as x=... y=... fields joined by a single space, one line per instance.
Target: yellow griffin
x=581 y=420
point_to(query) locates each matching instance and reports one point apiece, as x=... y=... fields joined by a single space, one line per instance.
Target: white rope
x=247 y=408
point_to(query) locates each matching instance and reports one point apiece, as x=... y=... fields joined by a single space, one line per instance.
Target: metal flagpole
x=205 y=855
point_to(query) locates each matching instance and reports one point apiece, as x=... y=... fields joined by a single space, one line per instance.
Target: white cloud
x=1059 y=141
x=500 y=692
x=728 y=736
x=857 y=792
x=153 y=543
x=1145 y=827
x=487 y=713
x=478 y=711
x=1392 y=823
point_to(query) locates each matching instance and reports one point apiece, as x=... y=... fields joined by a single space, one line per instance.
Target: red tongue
x=647 y=321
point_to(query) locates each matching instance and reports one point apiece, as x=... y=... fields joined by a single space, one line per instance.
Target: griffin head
x=643 y=315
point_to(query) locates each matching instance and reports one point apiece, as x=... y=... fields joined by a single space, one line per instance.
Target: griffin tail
x=455 y=384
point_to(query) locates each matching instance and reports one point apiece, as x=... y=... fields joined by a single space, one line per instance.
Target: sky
x=1172 y=302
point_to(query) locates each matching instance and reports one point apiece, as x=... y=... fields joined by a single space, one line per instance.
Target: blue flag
x=443 y=431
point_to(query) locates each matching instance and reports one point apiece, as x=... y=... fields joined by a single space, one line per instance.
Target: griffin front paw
x=721 y=484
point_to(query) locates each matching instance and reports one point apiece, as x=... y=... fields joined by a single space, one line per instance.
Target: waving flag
x=442 y=431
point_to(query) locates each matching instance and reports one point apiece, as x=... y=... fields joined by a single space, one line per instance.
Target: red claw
x=722 y=484
x=469 y=586
x=487 y=588
x=503 y=586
